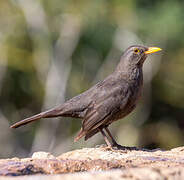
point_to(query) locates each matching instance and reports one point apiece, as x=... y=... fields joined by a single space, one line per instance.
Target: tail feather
x=79 y=135
x=46 y=114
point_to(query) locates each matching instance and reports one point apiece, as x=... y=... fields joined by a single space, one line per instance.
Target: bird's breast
x=134 y=93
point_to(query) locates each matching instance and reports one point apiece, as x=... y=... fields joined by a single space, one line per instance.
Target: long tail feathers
x=46 y=114
x=79 y=135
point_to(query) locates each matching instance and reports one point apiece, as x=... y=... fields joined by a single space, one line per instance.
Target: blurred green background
x=52 y=50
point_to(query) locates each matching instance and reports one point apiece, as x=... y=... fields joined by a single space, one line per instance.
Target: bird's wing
x=106 y=105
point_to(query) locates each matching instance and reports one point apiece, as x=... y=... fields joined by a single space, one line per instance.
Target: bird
x=107 y=101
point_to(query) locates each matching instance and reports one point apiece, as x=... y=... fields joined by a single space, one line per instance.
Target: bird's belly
x=128 y=109
x=130 y=105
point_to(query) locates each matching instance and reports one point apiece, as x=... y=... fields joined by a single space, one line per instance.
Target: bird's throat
x=129 y=72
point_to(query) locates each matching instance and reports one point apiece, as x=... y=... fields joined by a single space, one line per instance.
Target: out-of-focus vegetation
x=52 y=50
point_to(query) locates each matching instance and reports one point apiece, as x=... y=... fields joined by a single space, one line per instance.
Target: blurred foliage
x=54 y=50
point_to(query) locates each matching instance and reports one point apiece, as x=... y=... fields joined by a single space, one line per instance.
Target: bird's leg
x=114 y=143
x=105 y=138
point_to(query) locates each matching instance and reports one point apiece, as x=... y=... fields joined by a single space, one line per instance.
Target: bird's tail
x=47 y=114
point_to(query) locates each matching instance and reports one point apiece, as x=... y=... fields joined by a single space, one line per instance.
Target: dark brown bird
x=107 y=101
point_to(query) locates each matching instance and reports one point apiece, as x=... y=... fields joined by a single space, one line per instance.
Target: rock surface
x=115 y=164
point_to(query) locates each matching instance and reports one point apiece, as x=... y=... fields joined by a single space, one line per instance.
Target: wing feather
x=105 y=107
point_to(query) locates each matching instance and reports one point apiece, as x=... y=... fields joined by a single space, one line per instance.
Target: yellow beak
x=152 y=50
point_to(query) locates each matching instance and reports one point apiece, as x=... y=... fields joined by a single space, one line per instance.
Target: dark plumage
x=107 y=101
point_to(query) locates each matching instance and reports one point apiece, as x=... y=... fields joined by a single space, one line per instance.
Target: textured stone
x=100 y=163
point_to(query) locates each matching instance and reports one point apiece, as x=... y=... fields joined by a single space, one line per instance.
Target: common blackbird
x=107 y=101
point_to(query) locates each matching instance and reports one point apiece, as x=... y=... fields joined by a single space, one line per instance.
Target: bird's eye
x=136 y=50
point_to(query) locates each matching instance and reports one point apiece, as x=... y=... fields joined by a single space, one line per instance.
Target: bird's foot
x=117 y=146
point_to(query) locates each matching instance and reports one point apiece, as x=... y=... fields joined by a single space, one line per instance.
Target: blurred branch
x=3 y=60
x=38 y=30
x=6 y=139
x=57 y=80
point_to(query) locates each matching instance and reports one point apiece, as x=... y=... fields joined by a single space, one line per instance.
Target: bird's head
x=136 y=55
